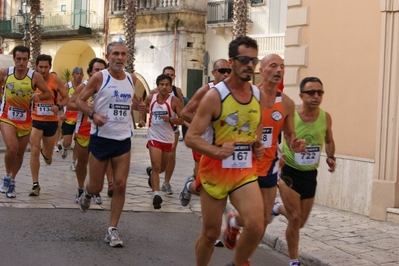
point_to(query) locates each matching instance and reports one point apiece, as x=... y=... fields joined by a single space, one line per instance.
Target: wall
x=344 y=52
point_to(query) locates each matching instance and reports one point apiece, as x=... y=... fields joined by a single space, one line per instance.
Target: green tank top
x=314 y=134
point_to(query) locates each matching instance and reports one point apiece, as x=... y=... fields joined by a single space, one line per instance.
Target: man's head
x=77 y=74
x=170 y=71
x=243 y=57
x=311 y=92
x=21 y=56
x=164 y=84
x=221 y=70
x=117 y=56
x=43 y=64
x=96 y=65
x=272 y=69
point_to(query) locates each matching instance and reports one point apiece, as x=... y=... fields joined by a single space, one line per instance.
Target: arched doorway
x=70 y=55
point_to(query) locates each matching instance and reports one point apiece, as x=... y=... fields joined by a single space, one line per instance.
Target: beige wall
x=343 y=39
x=339 y=41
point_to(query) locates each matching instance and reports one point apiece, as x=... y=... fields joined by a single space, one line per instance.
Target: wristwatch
x=91 y=115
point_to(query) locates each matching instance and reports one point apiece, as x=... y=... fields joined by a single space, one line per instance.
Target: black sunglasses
x=223 y=70
x=246 y=59
x=313 y=92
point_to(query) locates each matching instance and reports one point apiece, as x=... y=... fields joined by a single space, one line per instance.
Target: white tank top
x=158 y=129
x=114 y=99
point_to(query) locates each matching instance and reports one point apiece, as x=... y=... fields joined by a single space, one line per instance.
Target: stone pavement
x=330 y=237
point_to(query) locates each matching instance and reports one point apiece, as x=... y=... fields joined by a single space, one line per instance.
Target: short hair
x=112 y=44
x=308 y=79
x=77 y=70
x=168 y=67
x=241 y=40
x=21 y=49
x=162 y=77
x=219 y=60
x=44 y=57
x=93 y=61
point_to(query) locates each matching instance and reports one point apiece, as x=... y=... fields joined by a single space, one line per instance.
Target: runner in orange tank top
x=45 y=120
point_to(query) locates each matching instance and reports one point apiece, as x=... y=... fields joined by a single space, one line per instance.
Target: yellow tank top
x=237 y=121
x=16 y=105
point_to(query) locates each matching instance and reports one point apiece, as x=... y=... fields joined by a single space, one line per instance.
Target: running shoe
x=295 y=263
x=64 y=153
x=157 y=202
x=11 y=193
x=35 y=191
x=112 y=237
x=185 y=194
x=97 y=199
x=274 y=214
x=247 y=263
x=110 y=191
x=59 y=146
x=72 y=166
x=84 y=202
x=55 y=149
x=167 y=188
x=5 y=183
x=78 y=194
x=230 y=234
x=149 y=170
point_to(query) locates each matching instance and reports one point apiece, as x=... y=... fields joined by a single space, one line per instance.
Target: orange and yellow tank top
x=273 y=122
x=16 y=105
x=42 y=109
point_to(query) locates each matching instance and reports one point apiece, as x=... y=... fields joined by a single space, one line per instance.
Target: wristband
x=59 y=107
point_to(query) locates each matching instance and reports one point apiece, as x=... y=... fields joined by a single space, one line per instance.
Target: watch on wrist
x=92 y=115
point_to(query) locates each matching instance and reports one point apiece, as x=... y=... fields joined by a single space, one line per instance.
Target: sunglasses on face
x=246 y=59
x=223 y=70
x=313 y=92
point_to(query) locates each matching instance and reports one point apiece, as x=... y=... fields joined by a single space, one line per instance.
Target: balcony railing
x=269 y=45
x=222 y=12
x=118 y=6
x=59 y=20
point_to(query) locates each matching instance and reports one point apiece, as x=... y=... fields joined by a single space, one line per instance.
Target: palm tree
x=130 y=31
x=35 y=33
x=240 y=18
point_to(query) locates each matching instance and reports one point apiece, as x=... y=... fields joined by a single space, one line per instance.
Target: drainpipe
x=106 y=23
x=176 y=21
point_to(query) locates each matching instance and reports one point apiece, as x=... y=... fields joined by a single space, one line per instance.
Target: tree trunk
x=130 y=32
x=35 y=33
x=240 y=18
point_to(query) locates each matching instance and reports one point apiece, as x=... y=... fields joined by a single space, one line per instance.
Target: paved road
x=51 y=230
x=68 y=237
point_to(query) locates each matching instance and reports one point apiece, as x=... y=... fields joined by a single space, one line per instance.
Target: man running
x=113 y=95
x=45 y=120
x=15 y=115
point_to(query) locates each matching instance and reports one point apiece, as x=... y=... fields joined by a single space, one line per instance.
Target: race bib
x=118 y=112
x=310 y=158
x=267 y=135
x=156 y=117
x=44 y=109
x=16 y=113
x=241 y=158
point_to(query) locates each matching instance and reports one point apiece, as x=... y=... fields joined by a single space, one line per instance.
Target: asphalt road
x=69 y=237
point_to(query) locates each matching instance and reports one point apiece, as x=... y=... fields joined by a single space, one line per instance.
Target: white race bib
x=156 y=117
x=16 y=113
x=241 y=158
x=118 y=112
x=267 y=135
x=310 y=158
x=44 y=109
